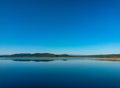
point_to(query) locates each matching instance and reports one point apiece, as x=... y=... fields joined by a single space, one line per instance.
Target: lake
x=59 y=73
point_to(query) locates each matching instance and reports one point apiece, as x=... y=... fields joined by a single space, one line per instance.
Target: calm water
x=59 y=73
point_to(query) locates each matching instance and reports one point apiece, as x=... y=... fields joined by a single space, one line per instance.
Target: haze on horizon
x=60 y=26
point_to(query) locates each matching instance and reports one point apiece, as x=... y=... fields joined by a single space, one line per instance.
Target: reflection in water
x=43 y=60
x=36 y=59
x=65 y=59
x=46 y=59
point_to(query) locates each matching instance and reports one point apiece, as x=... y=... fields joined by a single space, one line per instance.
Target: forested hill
x=36 y=55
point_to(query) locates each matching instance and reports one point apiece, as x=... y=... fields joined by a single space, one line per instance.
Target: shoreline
x=111 y=59
x=98 y=58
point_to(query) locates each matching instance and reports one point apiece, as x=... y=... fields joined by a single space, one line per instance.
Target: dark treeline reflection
x=36 y=59
x=24 y=60
x=41 y=60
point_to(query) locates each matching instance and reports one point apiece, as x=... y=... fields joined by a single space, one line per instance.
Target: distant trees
x=38 y=55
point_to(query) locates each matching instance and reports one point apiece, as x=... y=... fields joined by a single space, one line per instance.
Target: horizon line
x=62 y=53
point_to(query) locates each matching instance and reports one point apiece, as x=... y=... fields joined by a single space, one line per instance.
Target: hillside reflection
x=28 y=60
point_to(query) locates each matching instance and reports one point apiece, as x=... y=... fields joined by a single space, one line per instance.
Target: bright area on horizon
x=60 y=26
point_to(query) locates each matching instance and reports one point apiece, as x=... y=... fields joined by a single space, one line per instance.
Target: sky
x=60 y=26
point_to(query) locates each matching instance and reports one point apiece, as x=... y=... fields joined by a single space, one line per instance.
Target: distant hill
x=36 y=55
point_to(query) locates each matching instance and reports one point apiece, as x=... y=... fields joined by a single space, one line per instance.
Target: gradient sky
x=60 y=26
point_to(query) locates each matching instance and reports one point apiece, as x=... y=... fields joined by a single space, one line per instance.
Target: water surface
x=59 y=73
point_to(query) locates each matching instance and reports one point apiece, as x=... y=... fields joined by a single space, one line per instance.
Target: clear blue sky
x=60 y=26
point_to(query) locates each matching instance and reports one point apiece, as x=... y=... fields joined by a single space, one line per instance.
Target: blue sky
x=60 y=26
